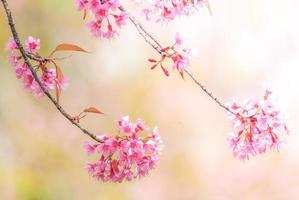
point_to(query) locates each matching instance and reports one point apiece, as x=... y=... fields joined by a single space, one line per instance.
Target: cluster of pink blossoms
x=126 y=156
x=257 y=127
x=107 y=16
x=167 y=10
x=178 y=55
x=48 y=76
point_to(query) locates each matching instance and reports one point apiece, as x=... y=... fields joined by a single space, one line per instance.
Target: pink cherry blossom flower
x=101 y=12
x=95 y=28
x=167 y=10
x=126 y=156
x=180 y=63
x=31 y=85
x=14 y=60
x=90 y=148
x=12 y=45
x=121 y=19
x=107 y=18
x=147 y=13
x=124 y=125
x=258 y=126
x=93 y=4
x=47 y=77
x=82 y=4
x=110 y=32
x=21 y=70
x=178 y=55
x=139 y=126
x=178 y=39
x=36 y=89
x=32 y=44
x=113 y=4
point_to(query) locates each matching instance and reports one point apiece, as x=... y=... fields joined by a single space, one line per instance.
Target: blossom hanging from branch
x=258 y=126
x=130 y=155
x=167 y=10
x=179 y=56
x=51 y=76
x=125 y=156
x=268 y=139
x=107 y=18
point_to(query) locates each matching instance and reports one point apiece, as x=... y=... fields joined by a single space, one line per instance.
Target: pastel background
x=244 y=47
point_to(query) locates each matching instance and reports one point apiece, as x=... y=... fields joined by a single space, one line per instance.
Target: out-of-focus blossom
x=167 y=10
x=12 y=45
x=81 y=4
x=258 y=127
x=178 y=39
x=121 y=19
x=126 y=156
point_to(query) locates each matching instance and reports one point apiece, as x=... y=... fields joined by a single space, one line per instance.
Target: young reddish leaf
x=59 y=77
x=92 y=110
x=61 y=58
x=67 y=47
x=59 y=74
x=152 y=60
x=58 y=91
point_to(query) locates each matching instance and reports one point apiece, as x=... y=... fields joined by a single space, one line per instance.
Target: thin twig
x=27 y=62
x=150 y=39
x=35 y=58
x=139 y=27
x=218 y=101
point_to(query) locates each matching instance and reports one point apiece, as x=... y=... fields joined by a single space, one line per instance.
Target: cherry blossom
x=258 y=127
x=126 y=156
x=48 y=76
x=82 y=4
x=32 y=44
x=179 y=39
x=167 y=10
x=12 y=45
x=107 y=17
x=179 y=56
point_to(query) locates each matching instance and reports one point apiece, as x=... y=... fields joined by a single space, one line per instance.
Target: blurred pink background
x=243 y=48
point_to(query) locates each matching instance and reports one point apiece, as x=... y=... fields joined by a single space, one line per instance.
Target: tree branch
x=26 y=58
x=152 y=41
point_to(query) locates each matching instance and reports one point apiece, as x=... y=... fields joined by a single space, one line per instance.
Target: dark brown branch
x=26 y=58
